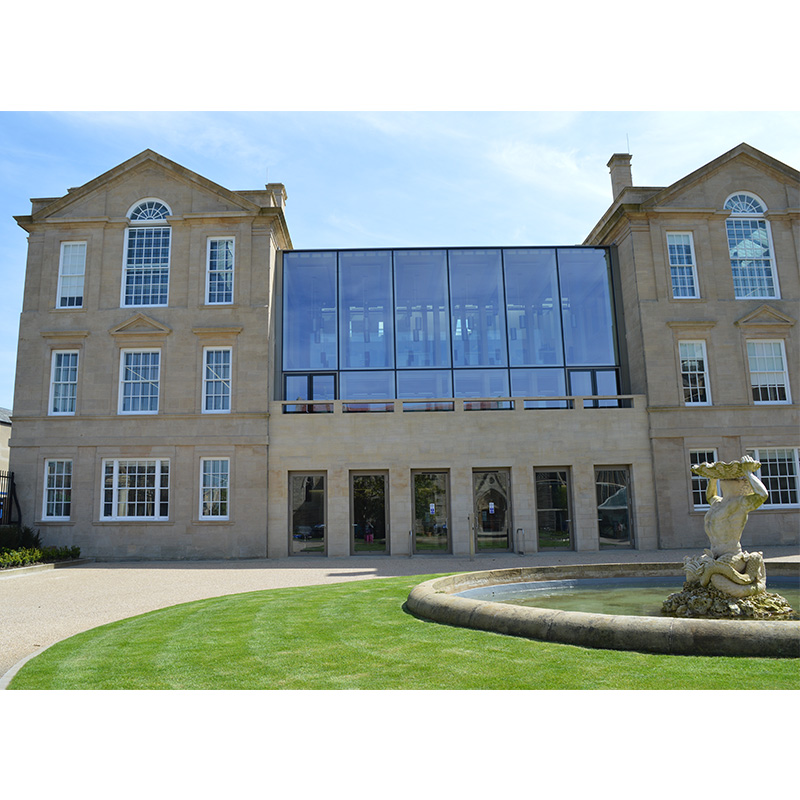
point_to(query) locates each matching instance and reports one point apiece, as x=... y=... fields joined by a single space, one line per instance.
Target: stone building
x=191 y=386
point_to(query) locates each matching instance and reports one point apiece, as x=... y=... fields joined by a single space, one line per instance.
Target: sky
x=376 y=178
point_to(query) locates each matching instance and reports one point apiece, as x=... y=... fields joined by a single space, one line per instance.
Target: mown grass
x=356 y=636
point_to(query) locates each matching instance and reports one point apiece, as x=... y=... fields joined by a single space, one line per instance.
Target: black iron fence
x=9 y=506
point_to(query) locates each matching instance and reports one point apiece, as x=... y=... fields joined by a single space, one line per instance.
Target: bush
x=14 y=538
x=22 y=556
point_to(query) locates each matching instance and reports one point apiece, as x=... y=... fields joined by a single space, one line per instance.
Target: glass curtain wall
x=426 y=325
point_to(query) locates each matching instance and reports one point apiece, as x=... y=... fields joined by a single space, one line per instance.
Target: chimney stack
x=620 y=168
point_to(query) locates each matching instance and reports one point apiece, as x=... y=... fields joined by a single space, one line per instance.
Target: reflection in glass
x=373 y=386
x=424 y=385
x=478 y=309
x=482 y=383
x=491 y=490
x=431 y=533
x=368 y=511
x=552 y=510
x=307 y=498
x=534 y=321
x=365 y=310
x=613 y=507
x=422 y=313
x=586 y=307
x=539 y=383
x=309 y=313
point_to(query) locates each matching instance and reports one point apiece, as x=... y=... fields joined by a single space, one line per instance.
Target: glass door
x=431 y=512
x=307 y=498
x=368 y=513
x=553 y=516
x=491 y=492
x=614 y=517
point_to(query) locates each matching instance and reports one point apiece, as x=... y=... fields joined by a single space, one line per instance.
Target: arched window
x=145 y=275
x=750 y=246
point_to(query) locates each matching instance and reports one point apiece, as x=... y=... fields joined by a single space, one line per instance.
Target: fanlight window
x=744 y=204
x=149 y=211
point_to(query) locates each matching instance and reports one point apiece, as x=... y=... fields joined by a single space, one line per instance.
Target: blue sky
x=376 y=179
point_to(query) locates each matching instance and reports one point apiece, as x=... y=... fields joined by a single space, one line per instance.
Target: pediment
x=140 y=325
x=765 y=316
x=146 y=170
x=743 y=154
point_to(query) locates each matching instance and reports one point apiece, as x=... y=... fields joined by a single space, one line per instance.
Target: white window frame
x=784 y=372
x=64 y=276
x=762 y=454
x=209 y=270
x=123 y=382
x=685 y=373
x=210 y=492
x=208 y=383
x=54 y=383
x=110 y=489
x=692 y=266
x=51 y=489
x=699 y=483
x=760 y=217
x=158 y=223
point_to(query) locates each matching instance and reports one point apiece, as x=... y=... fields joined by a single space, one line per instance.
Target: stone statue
x=727 y=581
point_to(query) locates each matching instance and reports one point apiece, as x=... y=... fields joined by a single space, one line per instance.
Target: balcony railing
x=513 y=404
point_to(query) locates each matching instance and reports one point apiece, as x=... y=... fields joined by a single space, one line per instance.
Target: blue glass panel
x=424 y=384
x=365 y=310
x=323 y=387
x=422 y=312
x=539 y=383
x=309 y=311
x=588 y=318
x=478 y=316
x=297 y=387
x=481 y=382
x=366 y=385
x=534 y=321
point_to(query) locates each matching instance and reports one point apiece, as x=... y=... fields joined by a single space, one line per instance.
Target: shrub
x=22 y=556
x=14 y=538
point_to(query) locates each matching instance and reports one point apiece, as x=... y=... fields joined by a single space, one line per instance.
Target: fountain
x=727 y=582
x=724 y=607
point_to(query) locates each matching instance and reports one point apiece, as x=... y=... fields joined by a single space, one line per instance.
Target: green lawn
x=356 y=636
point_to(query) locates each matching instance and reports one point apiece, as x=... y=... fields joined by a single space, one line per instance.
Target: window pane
x=366 y=386
x=768 y=377
x=481 y=383
x=539 y=383
x=552 y=510
x=309 y=312
x=366 y=311
x=147 y=267
x=694 y=377
x=699 y=484
x=64 y=383
x=613 y=507
x=71 y=273
x=217 y=380
x=478 y=309
x=681 y=264
x=140 y=380
x=422 y=312
x=58 y=491
x=413 y=384
x=220 y=271
x=215 y=479
x=534 y=319
x=369 y=513
x=779 y=473
x=751 y=262
x=586 y=307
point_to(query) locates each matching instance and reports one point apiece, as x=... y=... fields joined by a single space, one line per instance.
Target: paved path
x=40 y=608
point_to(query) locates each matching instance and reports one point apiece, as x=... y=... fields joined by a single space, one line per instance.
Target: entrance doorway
x=368 y=513
x=491 y=493
x=553 y=514
x=431 y=512
x=614 y=517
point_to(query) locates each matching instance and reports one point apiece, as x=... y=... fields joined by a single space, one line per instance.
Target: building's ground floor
x=467 y=480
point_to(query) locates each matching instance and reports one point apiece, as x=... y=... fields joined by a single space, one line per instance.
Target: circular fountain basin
x=442 y=600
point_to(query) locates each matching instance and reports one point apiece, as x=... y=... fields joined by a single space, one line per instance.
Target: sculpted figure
x=726 y=566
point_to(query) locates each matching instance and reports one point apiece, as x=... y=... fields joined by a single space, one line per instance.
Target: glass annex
x=431 y=324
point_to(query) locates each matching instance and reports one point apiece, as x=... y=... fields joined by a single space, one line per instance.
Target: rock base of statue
x=710 y=603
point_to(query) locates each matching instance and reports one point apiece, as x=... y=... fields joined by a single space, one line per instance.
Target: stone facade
x=260 y=447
